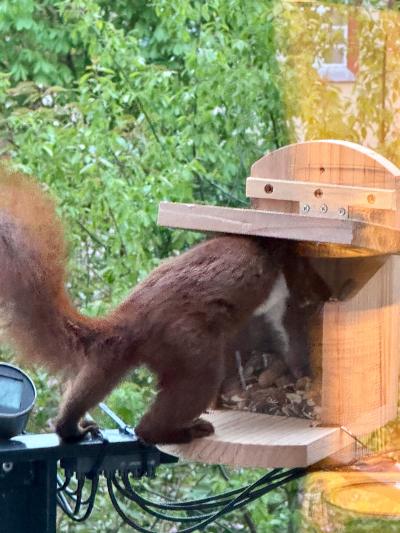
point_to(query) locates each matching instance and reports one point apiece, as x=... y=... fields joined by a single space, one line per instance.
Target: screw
x=324 y=208
x=268 y=188
x=342 y=211
x=371 y=198
x=318 y=193
x=7 y=467
x=306 y=208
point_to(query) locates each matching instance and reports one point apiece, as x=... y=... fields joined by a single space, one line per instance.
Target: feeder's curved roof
x=328 y=161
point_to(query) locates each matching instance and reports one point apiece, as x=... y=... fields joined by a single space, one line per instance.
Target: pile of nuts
x=265 y=385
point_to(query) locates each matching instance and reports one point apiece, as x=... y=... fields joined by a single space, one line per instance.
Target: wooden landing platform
x=379 y=239
x=257 y=440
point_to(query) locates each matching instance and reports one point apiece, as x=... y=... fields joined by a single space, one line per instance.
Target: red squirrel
x=177 y=322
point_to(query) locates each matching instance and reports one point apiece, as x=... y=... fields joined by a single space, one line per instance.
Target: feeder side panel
x=360 y=354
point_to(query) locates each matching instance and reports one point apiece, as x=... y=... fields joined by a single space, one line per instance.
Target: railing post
x=28 y=496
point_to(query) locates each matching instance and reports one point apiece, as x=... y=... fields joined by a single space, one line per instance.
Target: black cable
x=146 y=505
x=204 y=503
x=71 y=493
x=116 y=506
x=89 y=503
x=63 y=504
x=261 y=492
x=254 y=495
x=141 y=502
x=62 y=485
x=78 y=496
x=139 y=528
x=232 y=505
x=247 y=495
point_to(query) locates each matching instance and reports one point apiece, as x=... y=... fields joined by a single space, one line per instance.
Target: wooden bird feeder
x=340 y=201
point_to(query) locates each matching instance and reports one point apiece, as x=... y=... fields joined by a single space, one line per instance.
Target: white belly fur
x=274 y=308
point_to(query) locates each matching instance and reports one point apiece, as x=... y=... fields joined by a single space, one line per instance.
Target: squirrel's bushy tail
x=36 y=315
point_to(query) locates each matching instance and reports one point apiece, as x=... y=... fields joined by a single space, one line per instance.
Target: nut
x=271 y=374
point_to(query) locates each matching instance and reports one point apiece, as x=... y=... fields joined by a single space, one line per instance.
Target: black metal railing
x=37 y=473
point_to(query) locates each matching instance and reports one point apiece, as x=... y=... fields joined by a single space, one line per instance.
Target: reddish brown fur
x=177 y=321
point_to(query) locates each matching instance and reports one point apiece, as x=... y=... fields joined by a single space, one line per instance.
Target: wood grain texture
x=265 y=441
x=328 y=161
x=360 y=354
x=312 y=192
x=379 y=239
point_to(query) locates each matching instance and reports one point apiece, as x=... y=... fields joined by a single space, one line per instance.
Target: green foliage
x=36 y=44
x=366 y=111
x=116 y=107
x=175 y=108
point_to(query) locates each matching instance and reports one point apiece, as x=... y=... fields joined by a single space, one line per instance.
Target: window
x=337 y=60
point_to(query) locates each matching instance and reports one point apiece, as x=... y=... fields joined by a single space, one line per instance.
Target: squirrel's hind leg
x=174 y=415
x=90 y=386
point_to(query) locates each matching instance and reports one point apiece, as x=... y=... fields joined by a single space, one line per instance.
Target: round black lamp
x=17 y=398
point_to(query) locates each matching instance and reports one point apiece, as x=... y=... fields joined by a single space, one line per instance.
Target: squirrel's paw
x=75 y=432
x=152 y=435
x=90 y=427
x=201 y=428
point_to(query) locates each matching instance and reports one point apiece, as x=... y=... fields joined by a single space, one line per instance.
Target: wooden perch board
x=379 y=239
x=257 y=440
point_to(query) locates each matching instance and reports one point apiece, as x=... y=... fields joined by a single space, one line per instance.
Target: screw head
x=306 y=208
x=7 y=467
x=269 y=188
x=342 y=211
x=324 y=208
